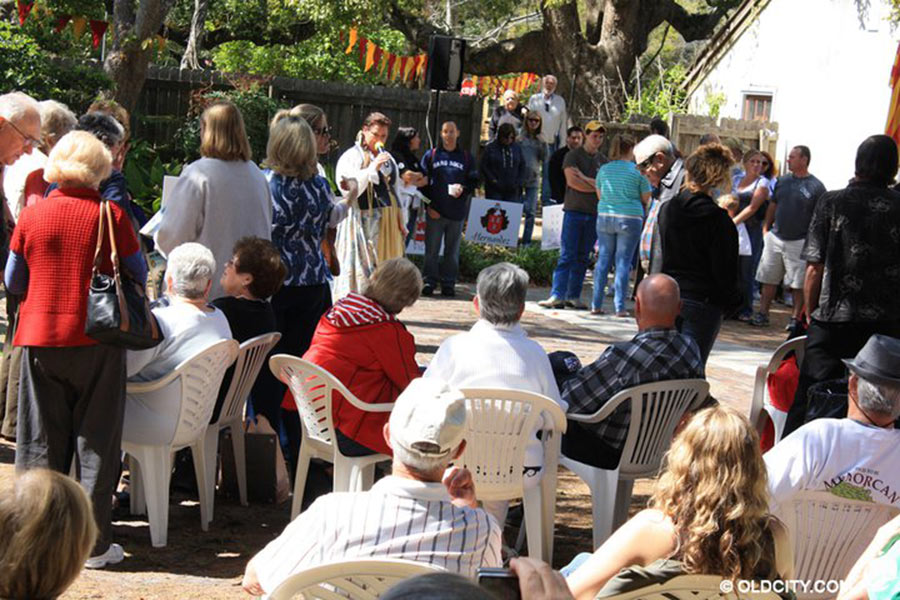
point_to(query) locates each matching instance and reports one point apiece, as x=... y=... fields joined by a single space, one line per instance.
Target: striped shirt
x=398 y=518
x=355 y=309
x=621 y=186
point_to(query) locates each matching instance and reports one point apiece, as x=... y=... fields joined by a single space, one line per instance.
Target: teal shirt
x=621 y=186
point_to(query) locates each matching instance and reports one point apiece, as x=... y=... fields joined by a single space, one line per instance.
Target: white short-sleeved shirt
x=497 y=356
x=841 y=456
x=398 y=518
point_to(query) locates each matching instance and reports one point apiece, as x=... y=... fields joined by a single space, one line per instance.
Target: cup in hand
x=455 y=189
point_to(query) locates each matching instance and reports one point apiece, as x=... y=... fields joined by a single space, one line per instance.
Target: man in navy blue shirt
x=452 y=178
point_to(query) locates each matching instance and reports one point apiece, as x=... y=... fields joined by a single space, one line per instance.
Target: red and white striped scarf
x=354 y=310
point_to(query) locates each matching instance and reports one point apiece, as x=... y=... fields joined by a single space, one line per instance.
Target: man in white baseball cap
x=424 y=511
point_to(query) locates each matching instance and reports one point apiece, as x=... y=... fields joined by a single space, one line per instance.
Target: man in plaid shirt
x=657 y=353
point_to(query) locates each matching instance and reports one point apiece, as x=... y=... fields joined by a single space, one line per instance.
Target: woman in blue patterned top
x=302 y=210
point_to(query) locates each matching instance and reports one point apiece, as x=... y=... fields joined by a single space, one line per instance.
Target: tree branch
x=692 y=26
x=524 y=53
x=293 y=35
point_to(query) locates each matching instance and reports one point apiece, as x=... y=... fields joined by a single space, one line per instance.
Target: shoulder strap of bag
x=100 y=228
x=124 y=313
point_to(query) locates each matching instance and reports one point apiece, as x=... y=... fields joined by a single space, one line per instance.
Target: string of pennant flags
x=79 y=23
x=413 y=68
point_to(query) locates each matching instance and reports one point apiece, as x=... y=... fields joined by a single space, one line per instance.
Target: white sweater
x=215 y=203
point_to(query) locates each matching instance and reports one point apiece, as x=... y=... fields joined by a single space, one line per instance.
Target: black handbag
x=118 y=312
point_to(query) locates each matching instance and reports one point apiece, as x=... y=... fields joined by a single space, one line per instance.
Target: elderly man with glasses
x=657 y=161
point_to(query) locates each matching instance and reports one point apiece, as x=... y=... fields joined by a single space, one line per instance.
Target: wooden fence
x=166 y=101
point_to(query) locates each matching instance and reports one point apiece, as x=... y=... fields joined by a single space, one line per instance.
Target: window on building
x=757 y=107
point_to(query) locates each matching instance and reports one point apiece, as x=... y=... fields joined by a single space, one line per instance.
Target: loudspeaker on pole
x=446 y=57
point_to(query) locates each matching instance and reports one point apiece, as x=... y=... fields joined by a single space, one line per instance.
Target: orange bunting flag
x=370 y=56
x=383 y=62
x=404 y=65
x=363 y=48
x=98 y=29
x=391 y=63
x=78 y=26
x=353 y=35
x=423 y=68
x=415 y=66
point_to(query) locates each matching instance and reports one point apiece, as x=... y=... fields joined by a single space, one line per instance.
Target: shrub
x=538 y=263
x=25 y=67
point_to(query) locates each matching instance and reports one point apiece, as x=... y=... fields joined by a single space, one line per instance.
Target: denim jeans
x=545 y=175
x=445 y=270
x=617 y=239
x=578 y=236
x=701 y=321
x=529 y=205
x=754 y=229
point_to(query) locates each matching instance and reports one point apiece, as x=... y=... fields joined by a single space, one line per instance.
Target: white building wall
x=828 y=77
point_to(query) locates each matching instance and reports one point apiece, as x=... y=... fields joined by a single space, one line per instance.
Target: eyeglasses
x=534 y=120
x=645 y=164
x=29 y=141
x=324 y=131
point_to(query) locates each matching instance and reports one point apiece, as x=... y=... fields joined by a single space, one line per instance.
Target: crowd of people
x=251 y=250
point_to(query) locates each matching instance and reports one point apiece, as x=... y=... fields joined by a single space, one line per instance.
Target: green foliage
x=144 y=171
x=663 y=96
x=255 y=105
x=715 y=101
x=538 y=263
x=26 y=67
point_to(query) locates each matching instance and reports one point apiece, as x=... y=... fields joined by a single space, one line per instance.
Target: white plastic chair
x=356 y=579
x=829 y=533
x=196 y=381
x=656 y=409
x=251 y=357
x=312 y=388
x=760 y=401
x=689 y=587
x=501 y=424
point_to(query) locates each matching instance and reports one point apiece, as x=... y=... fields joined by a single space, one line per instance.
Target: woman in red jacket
x=361 y=342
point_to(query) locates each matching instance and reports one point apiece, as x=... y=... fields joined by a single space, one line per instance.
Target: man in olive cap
x=856 y=457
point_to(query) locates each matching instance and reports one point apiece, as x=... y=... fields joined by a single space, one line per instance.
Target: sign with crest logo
x=494 y=222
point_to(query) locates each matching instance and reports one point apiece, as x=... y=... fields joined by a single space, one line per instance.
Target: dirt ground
x=198 y=564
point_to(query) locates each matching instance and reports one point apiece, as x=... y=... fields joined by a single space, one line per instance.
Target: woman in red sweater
x=361 y=342
x=72 y=389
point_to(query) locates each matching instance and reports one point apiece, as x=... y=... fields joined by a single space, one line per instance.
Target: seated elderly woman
x=189 y=325
x=709 y=515
x=496 y=353
x=361 y=342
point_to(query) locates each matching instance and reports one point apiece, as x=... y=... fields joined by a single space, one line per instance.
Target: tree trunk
x=191 y=58
x=133 y=44
x=598 y=63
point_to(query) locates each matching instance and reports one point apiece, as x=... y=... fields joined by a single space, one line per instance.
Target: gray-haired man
x=423 y=511
x=855 y=457
x=656 y=159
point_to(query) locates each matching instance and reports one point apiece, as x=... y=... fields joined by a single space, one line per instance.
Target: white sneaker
x=114 y=554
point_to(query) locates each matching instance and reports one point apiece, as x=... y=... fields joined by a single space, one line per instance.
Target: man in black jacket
x=574 y=139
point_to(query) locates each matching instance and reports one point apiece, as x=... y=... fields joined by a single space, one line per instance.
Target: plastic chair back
x=689 y=587
x=357 y=579
x=251 y=356
x=656 y=409
x=201 y=375
x=829 y=533
x=760 y=400
x=501 y=423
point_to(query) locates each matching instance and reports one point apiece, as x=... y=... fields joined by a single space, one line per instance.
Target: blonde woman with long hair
x=220 y=198
x=708 y=515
